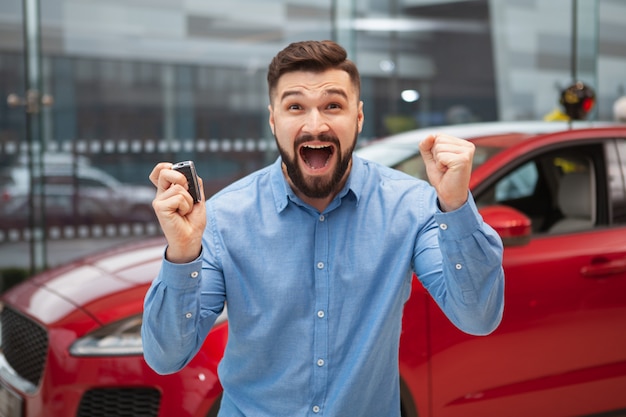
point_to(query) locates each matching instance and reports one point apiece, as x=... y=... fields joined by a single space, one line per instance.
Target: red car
x=71 y=344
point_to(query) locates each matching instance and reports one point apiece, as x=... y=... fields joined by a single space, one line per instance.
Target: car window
x=80 y=181
x=557 y=190
x=59 y=180
x=91 y=182
x=616 y=166
x=413 y=166
x=518 y=184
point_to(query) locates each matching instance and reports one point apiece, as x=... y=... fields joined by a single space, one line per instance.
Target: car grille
x=24 y=344
x=120 y=402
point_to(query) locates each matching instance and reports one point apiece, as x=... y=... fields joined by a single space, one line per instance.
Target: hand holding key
x=181 y=217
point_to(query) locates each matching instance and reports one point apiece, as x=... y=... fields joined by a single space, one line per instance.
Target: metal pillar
x=34 y=123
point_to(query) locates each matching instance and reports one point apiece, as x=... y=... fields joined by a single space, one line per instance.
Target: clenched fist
x=448 y=163
x=182 y=221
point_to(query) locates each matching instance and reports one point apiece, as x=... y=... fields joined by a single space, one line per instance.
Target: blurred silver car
x=75 y=193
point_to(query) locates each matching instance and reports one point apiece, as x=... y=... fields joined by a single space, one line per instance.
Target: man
x=314 y=256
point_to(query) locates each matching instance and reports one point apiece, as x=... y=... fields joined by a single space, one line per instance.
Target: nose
x=315 y=123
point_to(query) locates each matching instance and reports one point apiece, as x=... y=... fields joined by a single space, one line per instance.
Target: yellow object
x=556 y=115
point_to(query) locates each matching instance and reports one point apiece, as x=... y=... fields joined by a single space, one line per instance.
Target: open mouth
x=316 y=156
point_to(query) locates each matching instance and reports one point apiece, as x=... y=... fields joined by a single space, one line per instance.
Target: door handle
x=600 y=267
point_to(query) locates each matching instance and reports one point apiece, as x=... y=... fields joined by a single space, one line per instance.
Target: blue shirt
x=315 y=300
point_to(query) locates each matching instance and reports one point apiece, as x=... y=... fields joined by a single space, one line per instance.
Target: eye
x=294 y=107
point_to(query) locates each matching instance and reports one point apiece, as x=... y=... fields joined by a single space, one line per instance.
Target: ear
x=359 y=118
x=271 y=119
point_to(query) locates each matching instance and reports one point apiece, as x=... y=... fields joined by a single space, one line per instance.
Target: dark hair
x=316 y=56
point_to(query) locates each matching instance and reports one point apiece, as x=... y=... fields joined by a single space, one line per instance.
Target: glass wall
x=135 y=82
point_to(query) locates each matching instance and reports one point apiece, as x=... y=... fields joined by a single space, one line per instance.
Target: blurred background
x=94 y=93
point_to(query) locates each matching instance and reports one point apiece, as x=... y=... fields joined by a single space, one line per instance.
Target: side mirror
x=513 y=226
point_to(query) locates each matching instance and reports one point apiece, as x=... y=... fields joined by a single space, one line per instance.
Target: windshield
x=414 y=165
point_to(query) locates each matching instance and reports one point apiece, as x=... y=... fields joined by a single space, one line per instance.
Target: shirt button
x=188 y=315
x=443 y=226
x=194 y=274
x=322 y=218
x=458 y=266
x=320 y=362
x=320 y=265
x=316 y=409
x=320 y=314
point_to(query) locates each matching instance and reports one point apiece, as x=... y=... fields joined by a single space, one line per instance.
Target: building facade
x=126 y=83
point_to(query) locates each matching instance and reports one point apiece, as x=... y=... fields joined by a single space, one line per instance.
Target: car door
x=561 y=347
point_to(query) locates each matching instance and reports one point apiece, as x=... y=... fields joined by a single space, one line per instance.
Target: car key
x=188 y=169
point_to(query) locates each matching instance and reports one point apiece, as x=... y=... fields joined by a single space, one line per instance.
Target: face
x=316 y=118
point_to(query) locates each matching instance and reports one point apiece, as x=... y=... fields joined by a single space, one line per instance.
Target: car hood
x=106 y=287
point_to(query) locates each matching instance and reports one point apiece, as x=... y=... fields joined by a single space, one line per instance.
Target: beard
x=317 y=187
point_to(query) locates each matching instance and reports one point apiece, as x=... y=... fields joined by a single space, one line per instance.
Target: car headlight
x=121 y=338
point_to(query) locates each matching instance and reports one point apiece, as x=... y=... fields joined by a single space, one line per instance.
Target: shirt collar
x=283 y=193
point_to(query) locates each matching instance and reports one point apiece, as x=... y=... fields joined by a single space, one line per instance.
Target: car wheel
x=407 y=405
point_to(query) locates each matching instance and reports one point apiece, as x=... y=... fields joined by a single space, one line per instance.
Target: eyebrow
x=327 y=92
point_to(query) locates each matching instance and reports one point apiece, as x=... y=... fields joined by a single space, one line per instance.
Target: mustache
x=321 y=138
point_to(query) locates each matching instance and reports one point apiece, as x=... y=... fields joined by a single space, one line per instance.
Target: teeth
x=316 y=146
